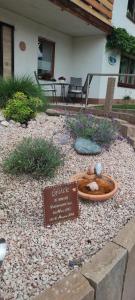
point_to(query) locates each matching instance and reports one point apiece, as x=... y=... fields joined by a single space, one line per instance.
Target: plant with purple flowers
x=102 y=131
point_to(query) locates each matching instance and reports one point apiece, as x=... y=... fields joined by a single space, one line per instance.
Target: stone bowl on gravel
x=37 y=256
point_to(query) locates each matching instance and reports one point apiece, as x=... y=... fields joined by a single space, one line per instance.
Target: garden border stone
x=73 y=287
x=109 y=275
x=106 y=272
x=126 y=238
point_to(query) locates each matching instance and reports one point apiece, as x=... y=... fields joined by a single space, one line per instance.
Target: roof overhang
x=83 y=14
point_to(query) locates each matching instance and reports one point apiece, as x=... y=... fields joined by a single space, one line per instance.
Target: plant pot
x=61 y=81
x=103 y=197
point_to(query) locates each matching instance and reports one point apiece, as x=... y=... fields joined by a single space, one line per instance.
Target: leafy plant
x=106 y=131
x=82 y=126
x=37 y=157
x=21 y=108
x=122 y=40
x=88 y=126
x=24 y=84
x=127 y=97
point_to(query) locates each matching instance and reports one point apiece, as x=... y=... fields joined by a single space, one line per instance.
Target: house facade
x=66 y=38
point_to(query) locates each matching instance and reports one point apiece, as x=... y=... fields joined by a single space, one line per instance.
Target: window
x=46 y=51
x=131 y=10
x=127 y=66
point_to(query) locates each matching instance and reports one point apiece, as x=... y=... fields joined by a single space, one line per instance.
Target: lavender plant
x=102 y=131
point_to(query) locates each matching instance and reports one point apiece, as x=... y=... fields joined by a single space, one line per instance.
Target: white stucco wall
x=25 y=62
x=119 y=20
x=88 y=58
x=74 y=56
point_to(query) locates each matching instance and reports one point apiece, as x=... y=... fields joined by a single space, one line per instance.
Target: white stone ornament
x=93 y=186
x=98 y=169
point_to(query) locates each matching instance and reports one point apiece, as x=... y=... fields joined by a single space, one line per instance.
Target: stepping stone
x=52 y=112
x=85 y=146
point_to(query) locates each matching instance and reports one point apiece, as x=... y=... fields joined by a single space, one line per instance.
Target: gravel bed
x=37 y=256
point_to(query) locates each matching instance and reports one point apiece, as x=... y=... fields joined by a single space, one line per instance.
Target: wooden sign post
x=60 y=203
x=109 y=95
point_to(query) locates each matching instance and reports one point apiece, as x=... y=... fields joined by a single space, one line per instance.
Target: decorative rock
x=75 y=262
x=85 y=146
x=3 y=216
x=93 y=186
x=91 y=170
x=52 y=112
x=98 y=169
x=2 y=118
x=12 y=122
x=5 y=123
x=17 y=124
x=64 y=139
x=23 y=125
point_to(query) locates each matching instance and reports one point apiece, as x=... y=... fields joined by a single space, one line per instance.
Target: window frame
x=51 y=74
x=126 y=84
x=129 y=17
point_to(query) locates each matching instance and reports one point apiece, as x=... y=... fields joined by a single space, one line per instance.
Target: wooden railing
x=101 y=9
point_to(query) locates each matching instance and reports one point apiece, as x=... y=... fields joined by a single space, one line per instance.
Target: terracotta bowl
x=91 y=197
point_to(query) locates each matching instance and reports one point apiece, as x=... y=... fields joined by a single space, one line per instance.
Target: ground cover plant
x=102 y=131
x=36 y=156
x=24 y=84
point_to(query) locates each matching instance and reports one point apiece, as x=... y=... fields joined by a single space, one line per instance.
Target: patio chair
x=75 y=87
x=46 y=87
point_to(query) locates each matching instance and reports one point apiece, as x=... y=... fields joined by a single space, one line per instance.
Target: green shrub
x=21 y=108
x=34 y=156
x=122 y=40
x=88 y=126
x=24 y=84
x=106 y=131
x=126 y=97
x=82 y=126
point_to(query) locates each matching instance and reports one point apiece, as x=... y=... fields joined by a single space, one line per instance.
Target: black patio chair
x=46 y=87
x=75 y=87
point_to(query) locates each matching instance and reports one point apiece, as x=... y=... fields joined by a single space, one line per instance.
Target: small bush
x=24 y=84
x=106 y=131
x=34 y=156
x=21 y=108
x=127 y=98
x=88 y=126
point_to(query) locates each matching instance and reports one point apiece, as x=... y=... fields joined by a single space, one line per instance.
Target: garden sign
x=60 y=203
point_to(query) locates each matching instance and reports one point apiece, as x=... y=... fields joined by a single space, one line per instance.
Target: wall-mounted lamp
x=3 y=250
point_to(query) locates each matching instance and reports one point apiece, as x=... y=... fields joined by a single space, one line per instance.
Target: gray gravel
x=37 y=256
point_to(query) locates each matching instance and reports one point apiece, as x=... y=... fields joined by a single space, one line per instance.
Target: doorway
x=6 y=50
